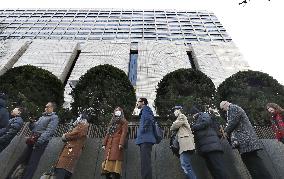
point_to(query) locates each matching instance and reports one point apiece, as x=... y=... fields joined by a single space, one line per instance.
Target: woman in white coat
x=186 y=141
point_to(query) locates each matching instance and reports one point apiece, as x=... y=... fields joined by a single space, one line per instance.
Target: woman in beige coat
x=186 y=141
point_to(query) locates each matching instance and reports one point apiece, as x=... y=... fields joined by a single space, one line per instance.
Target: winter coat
x=185 y=136
x=277 y=122
x=46 y=126
x=4 y=115
x=241 y=130
x=14 y=126
x=206 y=138
x=112 y=141
x=145 y=131
x=73 y=147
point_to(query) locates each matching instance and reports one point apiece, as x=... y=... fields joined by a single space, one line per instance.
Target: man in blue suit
x=145 y=137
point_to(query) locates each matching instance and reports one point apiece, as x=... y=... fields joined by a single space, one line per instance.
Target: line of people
x=201 y=135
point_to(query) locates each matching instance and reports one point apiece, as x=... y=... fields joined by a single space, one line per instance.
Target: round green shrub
x=251 y=90
x=31 y=87
x=100 y=90
x=186 y=87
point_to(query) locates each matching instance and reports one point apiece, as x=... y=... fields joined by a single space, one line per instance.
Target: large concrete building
x=145 y=44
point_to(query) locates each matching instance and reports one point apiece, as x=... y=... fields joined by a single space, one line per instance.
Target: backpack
x=158 y=132
x=174 y=145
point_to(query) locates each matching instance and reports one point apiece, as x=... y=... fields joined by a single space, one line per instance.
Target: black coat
x=206 y=138
x=14 y=126
x=4 y=114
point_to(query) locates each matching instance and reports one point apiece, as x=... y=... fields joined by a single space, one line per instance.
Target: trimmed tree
x=100 y=90
x=31 y=87
x=186 y=87
x=251 y=90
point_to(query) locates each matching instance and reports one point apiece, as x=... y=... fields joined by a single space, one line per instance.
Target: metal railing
x=99 y=131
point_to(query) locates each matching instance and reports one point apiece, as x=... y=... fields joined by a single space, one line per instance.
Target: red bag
x=32 y=139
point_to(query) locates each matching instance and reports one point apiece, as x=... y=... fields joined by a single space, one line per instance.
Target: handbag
x=158 y=132
x=174 y=144
x=32 y=139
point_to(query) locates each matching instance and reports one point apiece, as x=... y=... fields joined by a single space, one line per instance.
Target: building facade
x=145 y=44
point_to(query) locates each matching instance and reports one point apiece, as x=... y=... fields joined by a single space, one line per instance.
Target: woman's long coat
x=111 y=142
x=73 y=147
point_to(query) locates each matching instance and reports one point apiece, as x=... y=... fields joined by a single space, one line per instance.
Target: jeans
x=186 y=166
x=146 y=165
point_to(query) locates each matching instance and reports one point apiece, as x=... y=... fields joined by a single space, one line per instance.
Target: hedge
x=186 y=87
x=251 y=90
x=100 y=90
x=31 y=87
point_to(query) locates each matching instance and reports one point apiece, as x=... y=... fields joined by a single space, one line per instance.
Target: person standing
x=113 y=145
x=42 y=131
x=4 y=113
x=75 y=141
x=185 y=140
x=277 y=120
x=145 y=137
x=244 y=138
x=208 y=143
x=14 y=126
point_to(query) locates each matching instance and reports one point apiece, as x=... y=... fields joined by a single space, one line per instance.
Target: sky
x=255 y=28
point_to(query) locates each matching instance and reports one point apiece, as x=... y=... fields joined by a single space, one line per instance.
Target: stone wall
x=155 y=60
x=165 y=165
x=10 y=52
x=218 y=60
x=54 y=56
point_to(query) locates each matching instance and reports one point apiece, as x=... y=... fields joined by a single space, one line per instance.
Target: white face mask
x=176 y=113
x=117 y=113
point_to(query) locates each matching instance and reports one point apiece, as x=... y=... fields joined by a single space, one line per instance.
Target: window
x=132 y=72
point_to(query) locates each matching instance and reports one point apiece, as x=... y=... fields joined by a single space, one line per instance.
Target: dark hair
x=193 y=110
x=3 y=96
x=275 y=106
x=144 y=100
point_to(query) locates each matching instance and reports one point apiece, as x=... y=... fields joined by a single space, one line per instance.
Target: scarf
x=113 y=125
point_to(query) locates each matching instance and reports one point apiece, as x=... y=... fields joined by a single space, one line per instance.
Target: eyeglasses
x=140 y=101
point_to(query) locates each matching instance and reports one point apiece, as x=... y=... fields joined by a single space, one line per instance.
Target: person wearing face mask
x=208 y=144
x=186 y=141
x=113 y=145
x=75 y=141
x=14 y=126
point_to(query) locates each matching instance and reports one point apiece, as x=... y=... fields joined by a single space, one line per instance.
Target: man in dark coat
x=208 y=144
x=244 y=138
x=14 y=126
x=145 y=137
x=4 y=114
